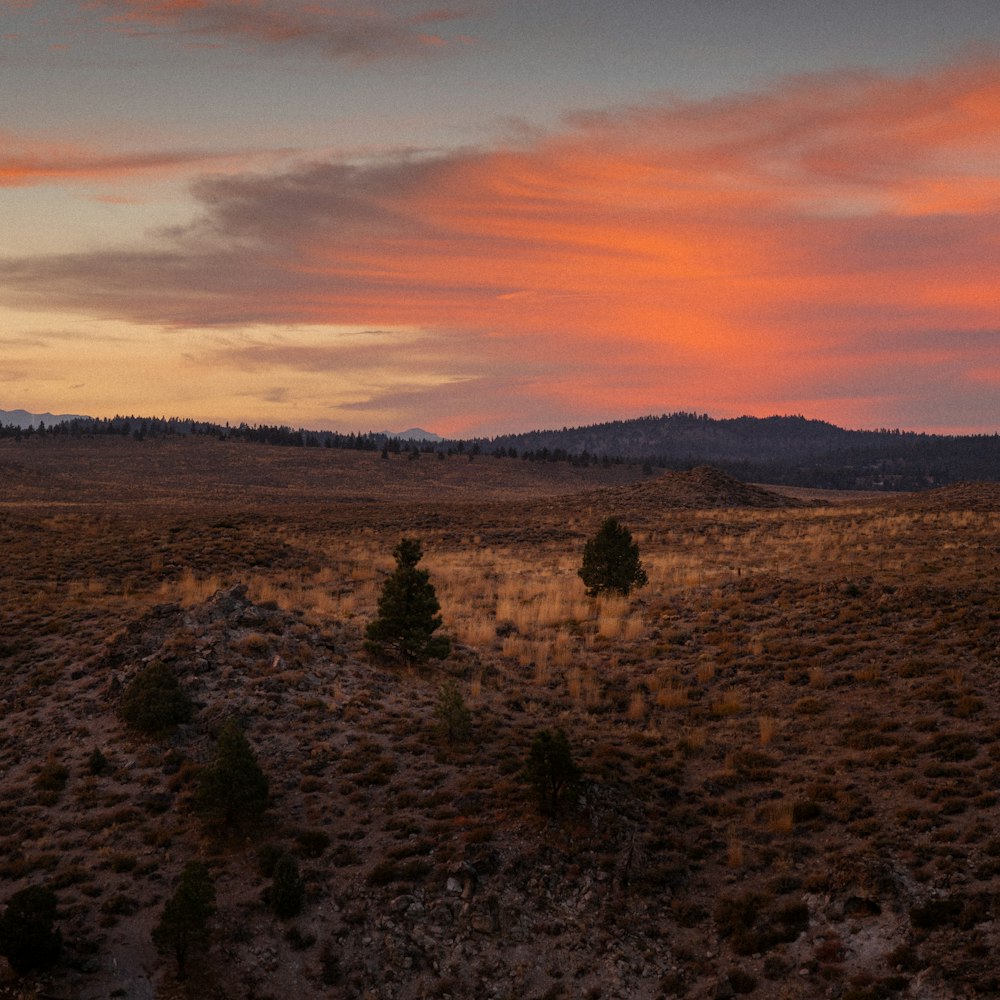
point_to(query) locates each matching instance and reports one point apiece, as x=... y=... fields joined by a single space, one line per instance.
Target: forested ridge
x=789 y=450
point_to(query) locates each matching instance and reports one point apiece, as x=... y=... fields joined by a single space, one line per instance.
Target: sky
x=491 y=216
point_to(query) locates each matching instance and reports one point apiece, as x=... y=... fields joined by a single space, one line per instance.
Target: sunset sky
x=499 y=215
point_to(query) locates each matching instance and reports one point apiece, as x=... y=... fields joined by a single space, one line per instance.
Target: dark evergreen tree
x=27 y=937
x=287 y=891
x=232 y=789
x=611 y=561
x=552 y=772
x=453 y=717
x=408 y=611
x=184 y=922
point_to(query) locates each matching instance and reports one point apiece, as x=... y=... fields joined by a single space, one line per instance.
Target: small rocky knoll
x=980 y=497
x=703 y=488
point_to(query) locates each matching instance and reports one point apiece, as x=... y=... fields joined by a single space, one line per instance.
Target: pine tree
x=611 y=561
x=184 y=921
x=454 y=718
x=408 y=611
x=551 y=771
x=232 y=789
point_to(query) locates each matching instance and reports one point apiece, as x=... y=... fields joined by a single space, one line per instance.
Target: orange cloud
x=785 y=245
x=27 y=161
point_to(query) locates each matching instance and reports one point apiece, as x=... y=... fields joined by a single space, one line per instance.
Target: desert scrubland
x=789 y=739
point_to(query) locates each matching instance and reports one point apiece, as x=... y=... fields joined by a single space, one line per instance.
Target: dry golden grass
x=705 y=671
x=768 y=727
x=780 y=817
x=817 y=677
x=637 y=706
x=673 y=697
x=735 y=855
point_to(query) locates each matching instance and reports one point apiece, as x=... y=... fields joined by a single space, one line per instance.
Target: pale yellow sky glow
x=106 y=367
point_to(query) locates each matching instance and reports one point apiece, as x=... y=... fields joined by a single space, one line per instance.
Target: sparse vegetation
x=794 y=726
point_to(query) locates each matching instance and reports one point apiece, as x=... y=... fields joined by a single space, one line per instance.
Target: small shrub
x=120 y=905
x=389 y=871
x=27 y=936
x=735 y=915
x=298 y=940
x=937 y=913
x=312 y=843
x=97 y=763
x=154 y=701
x=752 y=765
x=804 y=812
x=52 y=777
x=267 y=858
x=953 y=746
x=741 y=981
x=344 y=856
x=787 y=923
x=287 y=891
x=380 y=773
x=752 y=927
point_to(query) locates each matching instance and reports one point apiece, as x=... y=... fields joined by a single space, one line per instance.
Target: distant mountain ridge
x=790 y=450
x=24 y=419
x=688 y=436
x=413 y=434
x=783 y=450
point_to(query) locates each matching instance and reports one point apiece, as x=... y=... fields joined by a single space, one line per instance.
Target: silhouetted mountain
x=791 y=451
x=788 y=450
x=413 y=434
x=24 y=419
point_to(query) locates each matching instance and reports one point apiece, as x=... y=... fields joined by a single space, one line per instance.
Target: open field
x=790 y=739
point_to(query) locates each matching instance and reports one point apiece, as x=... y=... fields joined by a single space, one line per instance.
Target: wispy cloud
x=761 y=247
x=27 y=160
x=342 y=30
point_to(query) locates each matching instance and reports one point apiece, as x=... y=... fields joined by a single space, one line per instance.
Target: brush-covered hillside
x=785 y=747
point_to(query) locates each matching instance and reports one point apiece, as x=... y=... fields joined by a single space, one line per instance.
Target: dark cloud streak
x=354 y=32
